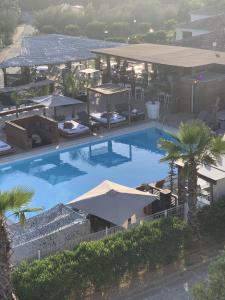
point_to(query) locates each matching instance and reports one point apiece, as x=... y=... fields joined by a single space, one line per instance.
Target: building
x=202 y=22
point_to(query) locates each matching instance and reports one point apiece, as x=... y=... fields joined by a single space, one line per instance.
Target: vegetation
x=140 y=20
x=214 y=288
x=15 y=201
x=212 y=219
x=98 y=264
x=195 y=145
x=9 y=14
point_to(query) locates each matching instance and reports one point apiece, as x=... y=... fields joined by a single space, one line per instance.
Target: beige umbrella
x=113 y=202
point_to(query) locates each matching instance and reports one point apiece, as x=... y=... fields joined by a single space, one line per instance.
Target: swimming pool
x=63 y=175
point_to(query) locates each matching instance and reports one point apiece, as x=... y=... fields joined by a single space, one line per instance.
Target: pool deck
x=67 y=143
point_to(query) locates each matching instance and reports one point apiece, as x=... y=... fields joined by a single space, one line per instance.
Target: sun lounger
x=76 y=129
x=5 y=148
x=85 y=119
x=135 y=114
x=115 y=118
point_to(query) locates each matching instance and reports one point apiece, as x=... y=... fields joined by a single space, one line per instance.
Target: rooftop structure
x=165 y=55
x=55 y=49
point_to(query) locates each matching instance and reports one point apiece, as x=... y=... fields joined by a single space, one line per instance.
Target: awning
x=55 y=101
x=113 y=202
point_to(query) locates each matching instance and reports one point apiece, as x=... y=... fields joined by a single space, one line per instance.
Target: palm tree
x=14 y=200
x=195 y=145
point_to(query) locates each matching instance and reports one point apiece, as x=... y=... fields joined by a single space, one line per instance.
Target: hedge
x=98 y=264
x=212 y=218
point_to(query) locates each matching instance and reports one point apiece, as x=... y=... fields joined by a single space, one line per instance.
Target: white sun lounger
x=77 y=129
x=5 y=148
x=115 y=118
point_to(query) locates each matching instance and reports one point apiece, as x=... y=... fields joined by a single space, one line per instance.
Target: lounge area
x=31 y=132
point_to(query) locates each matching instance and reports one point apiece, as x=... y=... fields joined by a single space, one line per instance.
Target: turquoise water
x=63 y=175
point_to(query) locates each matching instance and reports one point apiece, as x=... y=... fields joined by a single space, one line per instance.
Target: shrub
x=99 y=263
x=212 y=218
x=117 y=39
x=72 y=29
x=95 y=30
x=144 y=27
x=214 y=288
x=119 y=29
x=48 y=29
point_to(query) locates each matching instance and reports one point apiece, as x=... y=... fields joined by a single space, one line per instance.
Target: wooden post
x=88 y=102
x=146 y=70
x=129 y=108
x=108 y=68
x=5 y=77
x=108 y=108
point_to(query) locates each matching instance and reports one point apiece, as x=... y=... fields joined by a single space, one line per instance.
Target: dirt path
x=14 y=49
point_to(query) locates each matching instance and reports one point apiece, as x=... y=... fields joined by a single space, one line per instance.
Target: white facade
x=196 y=17
x=180 y=32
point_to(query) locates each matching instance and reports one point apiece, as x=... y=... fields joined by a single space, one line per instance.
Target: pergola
x=53 y=49
x=107 y=91
x=55 y=101
x=170 y=64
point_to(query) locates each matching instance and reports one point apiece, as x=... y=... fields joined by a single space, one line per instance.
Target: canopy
x=165 y=55
x=55 y=49
x=55 y=101
x=113 y=202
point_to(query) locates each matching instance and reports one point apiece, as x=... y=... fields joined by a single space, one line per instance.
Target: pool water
x=63 y=175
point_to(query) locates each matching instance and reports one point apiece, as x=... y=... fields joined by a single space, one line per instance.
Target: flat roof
x=53 y=49
x=209 y=173
x=165 y=55
x=108 y=89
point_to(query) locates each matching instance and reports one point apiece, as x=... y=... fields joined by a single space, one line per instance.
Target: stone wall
x=57 y=229
x=62 y=239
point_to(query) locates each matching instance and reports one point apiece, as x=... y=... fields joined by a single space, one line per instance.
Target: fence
x=70 y=242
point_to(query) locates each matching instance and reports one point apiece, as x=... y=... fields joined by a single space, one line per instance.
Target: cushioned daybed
x=74 y=129
x=5 y=148
x=115 y=118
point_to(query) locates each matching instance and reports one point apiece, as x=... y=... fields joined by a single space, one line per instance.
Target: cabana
x=102 y=99
x=52 y=49
x=58 y=101
x=214 y=176
x=30 y=132
x=182 y=79
x=114 y=203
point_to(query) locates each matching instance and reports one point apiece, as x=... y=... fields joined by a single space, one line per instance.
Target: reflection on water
x=62 y=176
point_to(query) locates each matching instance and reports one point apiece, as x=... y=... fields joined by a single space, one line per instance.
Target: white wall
x=179 y=32
x=196 y=17
x=219 y=189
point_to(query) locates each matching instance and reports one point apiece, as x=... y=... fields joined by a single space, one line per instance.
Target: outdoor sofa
x=71 y=128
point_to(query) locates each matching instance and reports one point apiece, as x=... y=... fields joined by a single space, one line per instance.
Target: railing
x=70 y=243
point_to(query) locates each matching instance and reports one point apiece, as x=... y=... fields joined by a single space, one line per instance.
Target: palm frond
x=21 y=213
x=14 y=199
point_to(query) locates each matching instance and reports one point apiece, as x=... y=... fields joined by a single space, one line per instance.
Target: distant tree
x=96 y=30
x=214 y=287
x=72 y=29
x=119 y=29
x=9 y=15
x=143 y=28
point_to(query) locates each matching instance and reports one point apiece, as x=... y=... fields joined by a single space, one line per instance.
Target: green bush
x=99 y=263
x=96 y=30
x=72 y=29
x=212 y=218
x=119 y=29
x=214 y=288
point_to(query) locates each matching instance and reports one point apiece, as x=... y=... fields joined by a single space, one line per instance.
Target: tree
x=195 y=145
x=15 y=201
x=214 y=288
x=95 y=30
